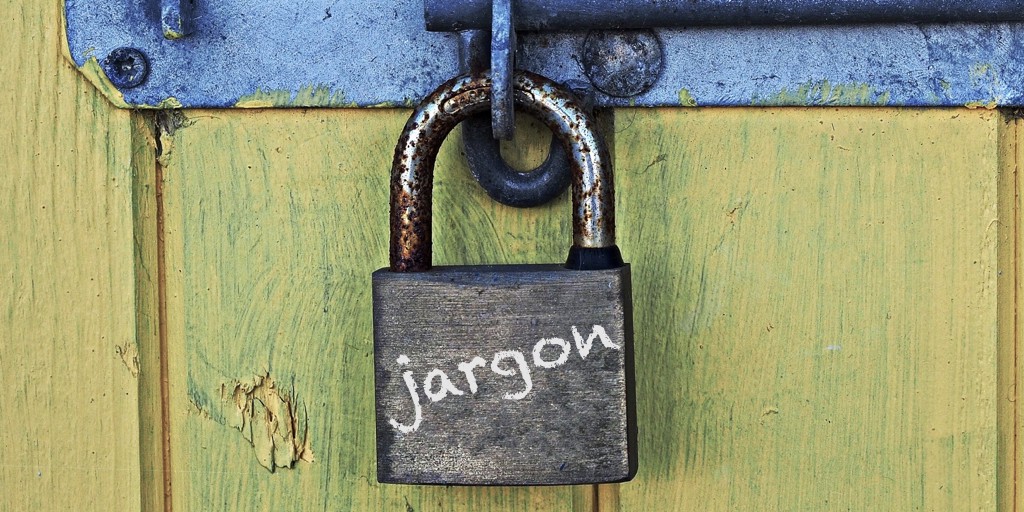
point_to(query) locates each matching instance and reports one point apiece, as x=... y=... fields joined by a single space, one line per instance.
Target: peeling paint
x=174 y=35
x=985 y=78
x=980 y=71
x=175 y=31
x=274 y=422
x=309 y=96
x=170 y=121
x=989 y=105
x=168 y=103
x=93 y=72
x=167 y=123
x=685 y=99
x=825 y=93
x=129 y=353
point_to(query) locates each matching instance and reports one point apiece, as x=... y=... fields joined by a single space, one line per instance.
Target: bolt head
x=622 y=63
x=126 y=67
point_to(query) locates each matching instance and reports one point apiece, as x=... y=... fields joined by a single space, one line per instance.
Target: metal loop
x=501 y=182
x=412 y=172
x=505 y=184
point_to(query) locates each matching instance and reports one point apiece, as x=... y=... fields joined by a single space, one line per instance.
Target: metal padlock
x=503 y=374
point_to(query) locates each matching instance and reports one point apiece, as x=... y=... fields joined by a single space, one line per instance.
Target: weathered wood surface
x=274 y=225
x=504 y=375
x=817 y=306
x=69 y=365
x=1010 y=371
x=817 y=317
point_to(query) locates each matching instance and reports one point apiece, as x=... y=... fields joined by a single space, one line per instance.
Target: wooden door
x=825 y=302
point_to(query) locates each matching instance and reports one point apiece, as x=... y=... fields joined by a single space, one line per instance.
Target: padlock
x=504 y=374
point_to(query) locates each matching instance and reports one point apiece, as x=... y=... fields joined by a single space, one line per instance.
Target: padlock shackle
x=412 y=173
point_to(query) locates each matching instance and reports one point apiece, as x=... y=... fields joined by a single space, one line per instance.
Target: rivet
x=622 y=63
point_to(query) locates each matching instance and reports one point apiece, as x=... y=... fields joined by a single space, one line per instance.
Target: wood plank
x=274 y=222
x=816 y=298
x=1013 y=433
x=154 y=445
x=913 y=339
x=68 y=353
x=879 y=340
x=1011 y=365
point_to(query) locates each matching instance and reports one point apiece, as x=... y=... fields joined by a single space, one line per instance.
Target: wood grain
x=817 y=309
x=275 y=221
x=512 y=418
x=68 y=353
x=1010 y=372
x=816 y=300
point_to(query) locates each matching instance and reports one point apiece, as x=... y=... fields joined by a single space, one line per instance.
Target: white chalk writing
x=507 y=363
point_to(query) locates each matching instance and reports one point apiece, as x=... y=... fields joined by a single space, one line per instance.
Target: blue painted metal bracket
x=337 y=53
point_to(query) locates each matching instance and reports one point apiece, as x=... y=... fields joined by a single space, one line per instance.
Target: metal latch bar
x=554 y=15
x=242 y=53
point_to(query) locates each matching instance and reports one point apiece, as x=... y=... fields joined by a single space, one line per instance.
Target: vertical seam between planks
x=161 y=271
x=1016 y=316
x=1010 y=280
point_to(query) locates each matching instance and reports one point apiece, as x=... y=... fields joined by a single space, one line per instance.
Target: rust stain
x=412 y=170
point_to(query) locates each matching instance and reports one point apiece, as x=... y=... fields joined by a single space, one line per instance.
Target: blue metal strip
x=334 y=53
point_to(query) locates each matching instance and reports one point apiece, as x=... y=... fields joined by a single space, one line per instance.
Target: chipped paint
x=988 y=105
x=173 y=35
x=169 y=103
x=685 y=99
x=272 y=420
x=175 y=31
x=167 y=123
x=93 y=72
x=825 y=93
x=308 y=96
x=985 y=78
x=980 y=70
x=129 y=354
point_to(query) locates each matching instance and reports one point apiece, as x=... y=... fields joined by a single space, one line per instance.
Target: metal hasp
x=243 y=53
x=555 y=15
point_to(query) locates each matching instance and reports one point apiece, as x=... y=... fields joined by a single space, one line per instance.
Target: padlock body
x=504 y=375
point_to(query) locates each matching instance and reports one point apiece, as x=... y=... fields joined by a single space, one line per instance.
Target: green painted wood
x=816 y=298
x=816 y=306
x=275 y=221
x=1010 y=414
x=69 y=371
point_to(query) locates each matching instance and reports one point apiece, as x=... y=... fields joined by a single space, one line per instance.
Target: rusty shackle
x=412 y=173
